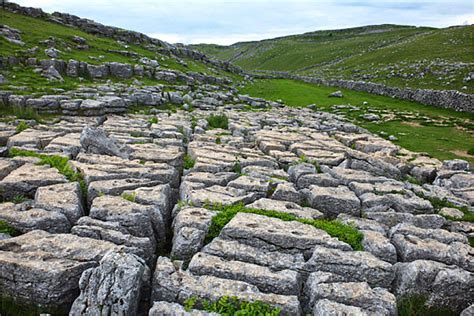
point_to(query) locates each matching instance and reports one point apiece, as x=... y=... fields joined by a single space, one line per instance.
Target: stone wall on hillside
x=451 y=99
x=131 y=37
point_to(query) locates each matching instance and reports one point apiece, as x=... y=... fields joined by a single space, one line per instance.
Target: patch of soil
x=461 y=153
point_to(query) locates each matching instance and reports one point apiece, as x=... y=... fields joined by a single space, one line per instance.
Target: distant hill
x=396 y=55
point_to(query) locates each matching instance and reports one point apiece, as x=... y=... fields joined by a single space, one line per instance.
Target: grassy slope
x=416 y=134
x=36 y=30
x=349 y=53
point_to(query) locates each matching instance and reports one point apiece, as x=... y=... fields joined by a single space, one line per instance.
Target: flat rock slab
x=234 y=250
x=274 y=234
x=173 y=284
x=27 y=179
x=220 y=195
x=286 y=207
x=358 y=294
x=25 y=219
x=45 y=268
x=280 y=282
x=358 y=266
x=333 y=201
x=444 y=286
x=63 y=198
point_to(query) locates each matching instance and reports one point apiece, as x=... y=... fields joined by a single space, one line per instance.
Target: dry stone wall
x=450 y=99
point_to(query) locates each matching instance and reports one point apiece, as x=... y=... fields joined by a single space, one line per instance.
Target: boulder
x=444 y=286
x=115 y=287
x=96 y=141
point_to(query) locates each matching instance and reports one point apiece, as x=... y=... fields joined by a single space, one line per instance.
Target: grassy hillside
x=417 y=57
x=441 y=133
x=35 y=33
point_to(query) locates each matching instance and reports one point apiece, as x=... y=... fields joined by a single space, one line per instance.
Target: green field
x=442 y=133
x=418 y=57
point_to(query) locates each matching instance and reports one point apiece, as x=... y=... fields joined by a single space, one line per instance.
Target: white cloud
x=229 y=21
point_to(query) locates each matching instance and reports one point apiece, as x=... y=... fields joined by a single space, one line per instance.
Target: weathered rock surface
x=45 y=268
x=113 y=288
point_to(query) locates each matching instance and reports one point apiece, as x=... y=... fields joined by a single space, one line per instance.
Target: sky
x=226 y=22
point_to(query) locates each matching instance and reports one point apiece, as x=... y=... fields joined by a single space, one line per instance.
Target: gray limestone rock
x=234 y=250
x=45 y=268
x=113 y=288
x=358 y=266
x=63 y=198
x=285 y=282
x=333 y=201
x=27 y=179
x=359 y=294
x=276 y=235
x=25 y=219
x=171 y=309
x=96 y=141
x=444 y=286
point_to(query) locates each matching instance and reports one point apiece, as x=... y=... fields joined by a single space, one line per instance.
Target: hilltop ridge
x=399 y=56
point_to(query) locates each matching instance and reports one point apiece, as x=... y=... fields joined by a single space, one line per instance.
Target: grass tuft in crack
x=54 y=161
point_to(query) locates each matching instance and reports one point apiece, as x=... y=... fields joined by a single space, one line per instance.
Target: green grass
x=54 y=161
x=232 y=306
x=101 y=49
x=189 y=162
x=218 y=121
x=21 y=127
x=20 y=112
x=14 y=307
x=5 y=228
x=129 y=196
x=153 y=120
x=334 y=228
x=415 y=306
x=442 y=142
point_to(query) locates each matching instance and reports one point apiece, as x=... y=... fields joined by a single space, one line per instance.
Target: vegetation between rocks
x=334 y=228
x=189 y=162
x=438 y=204
x=7 y=229
x=54 y=161
x=129 y=196
x=415 y=305
x=218 y=121
x=232 y=306
x=403 y=120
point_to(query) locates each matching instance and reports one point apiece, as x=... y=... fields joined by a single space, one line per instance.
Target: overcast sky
x=229 y=21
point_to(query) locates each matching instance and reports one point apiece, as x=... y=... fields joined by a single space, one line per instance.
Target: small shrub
x=17 y=199
x=5 y=228
x=232 y=306
x=218 y=121
x=22 y=126
x=237 y=168
x=129 y=196
x=412 y=180
x=415 y=305
x=153 y=120
x=218 y=140
x=194 y=121
x=470 y=151
x=189 y=162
